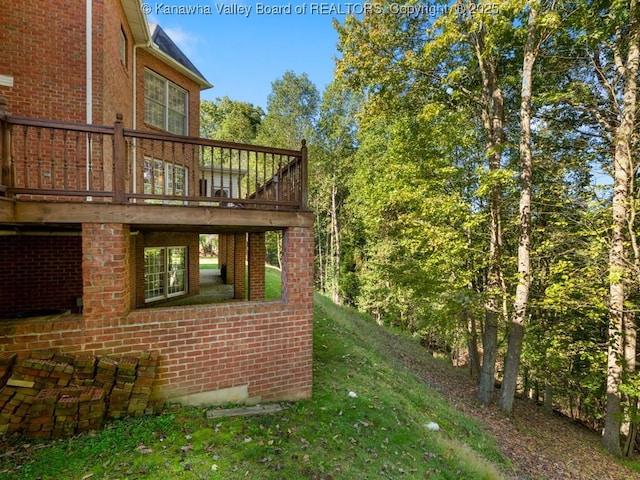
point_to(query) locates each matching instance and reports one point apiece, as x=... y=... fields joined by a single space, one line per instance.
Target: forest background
x=474 y=177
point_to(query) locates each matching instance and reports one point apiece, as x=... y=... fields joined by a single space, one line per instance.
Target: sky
x=242 y=46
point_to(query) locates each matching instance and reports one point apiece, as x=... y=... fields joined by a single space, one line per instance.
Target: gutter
x=134 y=113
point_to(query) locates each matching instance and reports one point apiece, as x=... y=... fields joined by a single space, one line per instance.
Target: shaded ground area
x=540 y=445
x=212 y=290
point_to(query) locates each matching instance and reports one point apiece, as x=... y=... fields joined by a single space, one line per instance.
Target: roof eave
x=156 y=52
x=137 y=21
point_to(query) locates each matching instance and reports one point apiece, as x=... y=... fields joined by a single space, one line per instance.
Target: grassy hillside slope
x=369 y=418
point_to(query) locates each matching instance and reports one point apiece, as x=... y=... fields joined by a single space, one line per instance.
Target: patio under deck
x=212 y=290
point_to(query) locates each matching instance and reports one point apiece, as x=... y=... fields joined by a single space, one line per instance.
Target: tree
x=621 y=327
x=292 y=108
x=537 y=28
x=335 y=145
x=229 y=120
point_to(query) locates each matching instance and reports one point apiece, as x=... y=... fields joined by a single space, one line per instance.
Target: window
x=165 y=272
x=123 y=48
x=164 y=178
x=165 y=104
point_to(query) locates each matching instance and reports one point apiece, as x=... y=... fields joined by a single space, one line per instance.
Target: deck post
x=304 y=181
x=119 y=162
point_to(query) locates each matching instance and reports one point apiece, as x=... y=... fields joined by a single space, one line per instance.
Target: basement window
x=165 y=272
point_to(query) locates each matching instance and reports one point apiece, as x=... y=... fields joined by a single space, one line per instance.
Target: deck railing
x=64 y=161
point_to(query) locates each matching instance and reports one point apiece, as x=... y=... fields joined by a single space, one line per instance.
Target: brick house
x=105 y=188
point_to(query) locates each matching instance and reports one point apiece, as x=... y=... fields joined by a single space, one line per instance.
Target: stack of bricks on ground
x=53 y=395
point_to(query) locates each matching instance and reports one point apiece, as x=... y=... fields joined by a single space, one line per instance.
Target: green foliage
x=229 y=120
x=292 y=107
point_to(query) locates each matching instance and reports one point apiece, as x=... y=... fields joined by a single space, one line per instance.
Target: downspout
x=134 y=114
x=89 y=83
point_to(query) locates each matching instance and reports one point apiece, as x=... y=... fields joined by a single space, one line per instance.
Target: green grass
x=272 y=283
x=379 y=433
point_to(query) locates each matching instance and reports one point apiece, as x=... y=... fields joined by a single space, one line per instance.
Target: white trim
x=6 y=80
x=89 y=84
x=89 y=63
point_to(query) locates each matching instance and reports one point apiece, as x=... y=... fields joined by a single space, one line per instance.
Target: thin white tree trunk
x=618 y=266
x=516 y=333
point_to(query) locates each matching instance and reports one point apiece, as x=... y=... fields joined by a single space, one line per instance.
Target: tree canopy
x=474 y=180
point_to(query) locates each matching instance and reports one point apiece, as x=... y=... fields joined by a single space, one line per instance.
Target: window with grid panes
x=165 y=104
x=165 y=272
x=164 y=178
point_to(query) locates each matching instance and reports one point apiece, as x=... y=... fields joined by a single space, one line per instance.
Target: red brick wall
x=117 y=92
x=264 y=345
x=105 y=272
x=43 y=48
x=40 y=272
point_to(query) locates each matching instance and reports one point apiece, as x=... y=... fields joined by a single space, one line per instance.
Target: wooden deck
x=62 y=172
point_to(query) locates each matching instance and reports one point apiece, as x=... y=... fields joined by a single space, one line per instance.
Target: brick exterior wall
x=263 y=346
x=114 y=89
x=44 y=50
x=48 y=67
x=40 y=272
x=266 y=346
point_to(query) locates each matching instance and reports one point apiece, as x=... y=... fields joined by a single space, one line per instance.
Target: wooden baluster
x=65 y=160
x=52 y=147
x=39 y=156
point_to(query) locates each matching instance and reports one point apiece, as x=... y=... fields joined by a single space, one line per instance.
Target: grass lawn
x=367 y=420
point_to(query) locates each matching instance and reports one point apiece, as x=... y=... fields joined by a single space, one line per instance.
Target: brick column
x=229 y=250
x=257 y=256
x=239 y=266
x=297 y=267
x=297 y=292
x=106 y=273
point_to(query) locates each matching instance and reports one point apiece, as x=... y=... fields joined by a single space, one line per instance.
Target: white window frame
x=165 y=182
x=123 y=47
x=166 y=275
x=168 y=85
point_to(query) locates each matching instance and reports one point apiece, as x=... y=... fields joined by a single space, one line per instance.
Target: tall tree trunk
x=335 y=244
x=618 y=269
x=474 y=354
x=516 y=333
x=493 y=122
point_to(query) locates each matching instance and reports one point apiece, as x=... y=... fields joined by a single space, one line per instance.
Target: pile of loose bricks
x=53 y=395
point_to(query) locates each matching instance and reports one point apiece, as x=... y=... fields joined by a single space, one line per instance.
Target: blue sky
x=242 y=52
